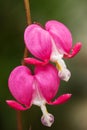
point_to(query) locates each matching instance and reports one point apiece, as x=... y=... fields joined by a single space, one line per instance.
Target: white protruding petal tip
x=47 y=119
x=64 y=74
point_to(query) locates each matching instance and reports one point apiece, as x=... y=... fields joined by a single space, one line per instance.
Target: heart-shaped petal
x=61 y=35
x=48 y=80
x=21 y=85
x=38 y=41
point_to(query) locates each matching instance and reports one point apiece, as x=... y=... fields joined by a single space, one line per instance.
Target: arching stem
x=28 y=21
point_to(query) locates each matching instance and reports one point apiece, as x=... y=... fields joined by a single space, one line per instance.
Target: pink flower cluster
x=52 y=43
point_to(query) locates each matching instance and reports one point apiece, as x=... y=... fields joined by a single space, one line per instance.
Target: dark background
x=73 y=13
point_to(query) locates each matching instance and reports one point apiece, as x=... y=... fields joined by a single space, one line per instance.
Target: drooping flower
x=52 y=43
x=38 y=89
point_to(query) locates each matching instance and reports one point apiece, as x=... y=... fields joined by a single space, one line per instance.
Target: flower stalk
x=27 y=9
x=19 y=120
x=28 y=21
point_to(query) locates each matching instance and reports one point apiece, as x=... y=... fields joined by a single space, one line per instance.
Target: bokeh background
x=73 y=13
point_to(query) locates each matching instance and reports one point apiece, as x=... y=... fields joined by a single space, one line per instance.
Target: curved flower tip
x=65 y=74
x=47 y=119
x=16 y=105
x=35 y=61
x=61 y=99
x=74 y=50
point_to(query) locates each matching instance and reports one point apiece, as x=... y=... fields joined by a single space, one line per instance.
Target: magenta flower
x=38 y=89
x=52 y=43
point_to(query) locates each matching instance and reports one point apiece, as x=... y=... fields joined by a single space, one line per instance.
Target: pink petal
x=38 y=41
x=21 y=85
x=74 y=51
x=48 y=80
x=61 y=99
x=15 y=105
x=60 y=34
x=34 y=61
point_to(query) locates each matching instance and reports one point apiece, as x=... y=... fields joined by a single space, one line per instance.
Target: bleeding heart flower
x=52 y=43
x=38 y=89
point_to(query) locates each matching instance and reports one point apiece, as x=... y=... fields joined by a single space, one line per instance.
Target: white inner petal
x=38 y=99
x=47 y=119
x=56 y=57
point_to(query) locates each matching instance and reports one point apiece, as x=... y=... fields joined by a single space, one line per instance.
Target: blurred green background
x=73 y=13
